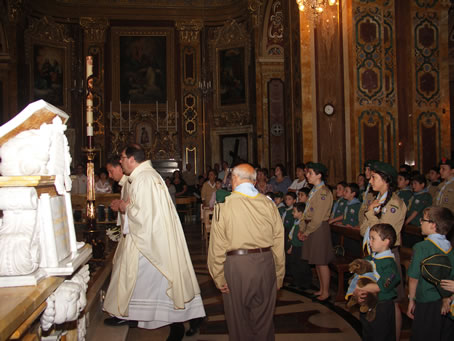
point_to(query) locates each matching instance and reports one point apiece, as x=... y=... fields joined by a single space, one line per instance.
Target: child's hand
x=447 y=285
x=360 y=294
x=446 y=305
x=411 y=309
x=373 y=204
x=289 y=251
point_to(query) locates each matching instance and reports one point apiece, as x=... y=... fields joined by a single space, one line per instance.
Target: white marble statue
x=19 y=234
x=67 y=302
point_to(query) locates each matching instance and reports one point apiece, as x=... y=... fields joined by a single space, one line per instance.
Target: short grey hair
x=244 y=175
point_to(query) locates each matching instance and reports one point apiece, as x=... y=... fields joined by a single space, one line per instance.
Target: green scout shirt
x=295 y=241
x=339 y=209
x=426 y=291
x=389 y=277
x=351 y=214
x=418 y=203
x=405 y=194
x=288 y=219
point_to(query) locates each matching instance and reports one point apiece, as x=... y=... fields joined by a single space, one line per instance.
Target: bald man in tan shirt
x=246 y=257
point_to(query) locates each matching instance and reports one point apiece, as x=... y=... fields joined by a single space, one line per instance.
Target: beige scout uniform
x=366 y=202
x=318 y=248
x=393 y=213
x=444 y=197
x=248 y=223
x=207 y=192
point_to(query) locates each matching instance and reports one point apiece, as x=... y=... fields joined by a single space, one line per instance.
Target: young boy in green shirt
x=426 y=306
x=351 y=210
x=382 y=239
x=403 y=184
x=421 y=199
x=339 y=205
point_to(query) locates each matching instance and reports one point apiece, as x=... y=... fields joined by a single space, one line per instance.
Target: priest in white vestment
x=153 y=280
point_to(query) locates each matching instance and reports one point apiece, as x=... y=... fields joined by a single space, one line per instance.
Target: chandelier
x=316 y=6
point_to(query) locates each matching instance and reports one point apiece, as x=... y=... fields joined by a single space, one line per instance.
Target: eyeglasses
x=421 y=220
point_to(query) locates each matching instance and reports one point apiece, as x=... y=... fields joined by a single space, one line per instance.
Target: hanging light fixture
x=315 y=6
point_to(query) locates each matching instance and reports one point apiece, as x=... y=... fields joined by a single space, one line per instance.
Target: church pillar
x=190 y=100
x=94 y=45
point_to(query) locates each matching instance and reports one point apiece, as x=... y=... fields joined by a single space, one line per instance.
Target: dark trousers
x=299 y=269
x=383 y=328
x=249 y=307
x=429 y=324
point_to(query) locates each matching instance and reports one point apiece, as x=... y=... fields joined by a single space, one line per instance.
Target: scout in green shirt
x=426 y=306
x=339 y=205
x=287 y=217
x=420 y=200
x=403 y=184
x=350 y=216
x=382 y=238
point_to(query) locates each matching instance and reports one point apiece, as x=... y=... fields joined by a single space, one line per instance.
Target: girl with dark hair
x=281 y=181
x=387 y=208
x=314 y=228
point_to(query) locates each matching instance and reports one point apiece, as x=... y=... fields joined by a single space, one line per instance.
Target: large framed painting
x=48 y=52
x=142 y=66
x=232 y=76
x=48 y=74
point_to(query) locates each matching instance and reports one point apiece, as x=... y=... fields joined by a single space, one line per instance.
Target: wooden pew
x=340 y=263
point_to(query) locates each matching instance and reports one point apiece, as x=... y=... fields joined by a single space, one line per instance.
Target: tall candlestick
x=129 y=116
x=120 y=116
x=157 y=116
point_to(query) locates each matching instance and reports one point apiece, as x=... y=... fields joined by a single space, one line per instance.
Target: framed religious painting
x=234 y=148
x=231 y=76
x=143 y=67
x=48 y=53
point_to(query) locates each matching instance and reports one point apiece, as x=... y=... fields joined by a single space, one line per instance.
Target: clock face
x=328 y=109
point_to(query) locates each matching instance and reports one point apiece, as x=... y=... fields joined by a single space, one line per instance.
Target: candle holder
x=205 y=90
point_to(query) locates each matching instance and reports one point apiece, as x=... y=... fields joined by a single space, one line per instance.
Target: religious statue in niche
x=143 y=69
x=143 y=134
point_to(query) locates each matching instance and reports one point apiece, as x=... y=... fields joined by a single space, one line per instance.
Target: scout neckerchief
x=349 y=203
x=381 y=200
x=413 y=198
x=373 y=275
x=440 y=242
x=442 y=189
x=247 y=189
x=296 y=223
x=285 y=212
x=311 y=194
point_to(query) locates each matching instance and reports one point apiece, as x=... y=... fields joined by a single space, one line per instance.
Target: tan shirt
x=393 y=213
x=446 y=198
x=366 y=202
x=244 y=222
x=207 y=192
x=318 y=210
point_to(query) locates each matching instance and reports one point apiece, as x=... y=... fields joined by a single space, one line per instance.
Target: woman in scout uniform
x=386 y=208
x=444 y=195
x=315 y=230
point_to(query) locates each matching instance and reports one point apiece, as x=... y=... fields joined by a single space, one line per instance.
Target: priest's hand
x=225 y=289
x=123 y=205
x=115 y=205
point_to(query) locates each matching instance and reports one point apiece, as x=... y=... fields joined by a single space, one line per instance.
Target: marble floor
x=297 y=316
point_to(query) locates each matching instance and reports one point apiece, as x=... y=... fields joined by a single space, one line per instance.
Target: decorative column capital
x=254 y=8
x=15 y=8
x=94 y=28
x=189 y=30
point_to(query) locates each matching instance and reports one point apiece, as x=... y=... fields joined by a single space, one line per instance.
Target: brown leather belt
x=242 y=252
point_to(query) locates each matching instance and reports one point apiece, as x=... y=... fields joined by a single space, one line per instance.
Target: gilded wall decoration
x=15 y=9
x=377 y=132
x=428 y=127
x=389 y=59
x=275 y=30
x=98 y=92
x=190 y=114
x=369 y=59
x=94 y=28
x=48 y=53
x=189 y=31
x=427 y=61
